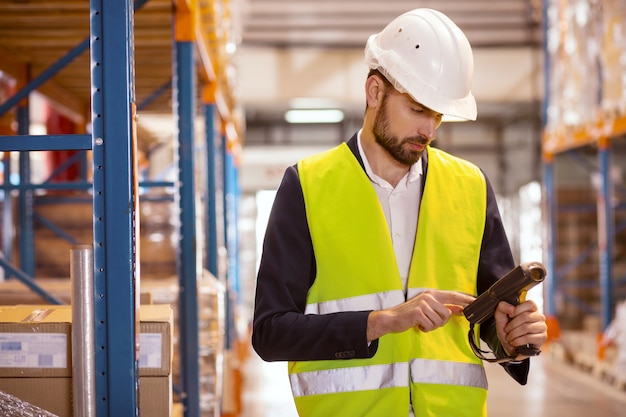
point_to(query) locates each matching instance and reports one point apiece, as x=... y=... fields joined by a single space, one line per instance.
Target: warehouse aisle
x=553 y=389
x=266 y=390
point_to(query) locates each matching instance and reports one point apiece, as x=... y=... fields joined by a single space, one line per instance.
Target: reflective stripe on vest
x=363 y=378
x=376 y=301
x=428 y=371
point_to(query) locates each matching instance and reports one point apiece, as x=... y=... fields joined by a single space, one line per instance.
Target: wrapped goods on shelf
x=586 y=53
x=573 y=48
x=211 y=334
x=211 y=323
x=11 y=406
x=613 y=58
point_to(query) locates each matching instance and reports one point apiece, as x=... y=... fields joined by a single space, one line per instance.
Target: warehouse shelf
x=583 y=83
x=576 y=137
x=133 y=59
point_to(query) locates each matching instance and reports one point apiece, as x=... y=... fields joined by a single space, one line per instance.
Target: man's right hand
x=426 y=311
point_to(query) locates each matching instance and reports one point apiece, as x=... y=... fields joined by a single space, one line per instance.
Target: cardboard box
x=156 y=323
x=55 y=394
x=34 y=337
x=51 y=394
x=155 y=396
x=35 y=357
x=178 y=409
x=35 y=342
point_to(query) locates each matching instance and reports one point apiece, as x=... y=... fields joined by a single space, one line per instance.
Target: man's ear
x=374 y=90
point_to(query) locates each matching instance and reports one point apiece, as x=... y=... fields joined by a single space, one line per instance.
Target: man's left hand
x=520 y=325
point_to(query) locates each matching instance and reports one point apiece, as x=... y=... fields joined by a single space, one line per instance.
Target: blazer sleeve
x=280 y=329
x=495 y=261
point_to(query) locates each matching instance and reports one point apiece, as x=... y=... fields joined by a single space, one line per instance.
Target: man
x=374 y=248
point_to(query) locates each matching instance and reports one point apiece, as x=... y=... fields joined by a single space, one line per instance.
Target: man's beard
x=391 y=143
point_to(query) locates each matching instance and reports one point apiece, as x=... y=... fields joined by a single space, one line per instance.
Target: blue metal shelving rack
x=605 y=208
x=188 y=265
x=115 y=203
x=115 y=197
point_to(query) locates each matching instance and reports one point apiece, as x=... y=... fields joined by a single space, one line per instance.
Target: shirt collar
x=414 y=174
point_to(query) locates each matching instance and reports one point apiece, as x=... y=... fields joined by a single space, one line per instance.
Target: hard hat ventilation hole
x=399 y=30
x=417 y=46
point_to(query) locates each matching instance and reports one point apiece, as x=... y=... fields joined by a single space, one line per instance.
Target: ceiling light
x=314 y=116
x=312 y=103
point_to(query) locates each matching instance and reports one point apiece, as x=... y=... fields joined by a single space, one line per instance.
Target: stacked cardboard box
x=36 y=359
x=156 y=324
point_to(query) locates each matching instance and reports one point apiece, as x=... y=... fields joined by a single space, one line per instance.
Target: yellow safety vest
x=357 y=271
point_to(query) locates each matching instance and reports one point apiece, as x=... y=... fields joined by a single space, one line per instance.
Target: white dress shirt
x=401 y=207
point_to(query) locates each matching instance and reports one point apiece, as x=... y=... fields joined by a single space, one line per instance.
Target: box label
x=33 y=350
x=150 y=350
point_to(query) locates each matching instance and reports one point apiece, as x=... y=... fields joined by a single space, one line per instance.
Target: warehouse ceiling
x=348 y=23
x=318 y=52
x=35 y=34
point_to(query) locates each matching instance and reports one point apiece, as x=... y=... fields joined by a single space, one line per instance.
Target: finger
x=433 y=316
x=454 y=297
x=517 y=312
x=526 y=306
x=455 y=309
x=506 y=309
x=536 y=339
x=528 y=332
x=524 y=318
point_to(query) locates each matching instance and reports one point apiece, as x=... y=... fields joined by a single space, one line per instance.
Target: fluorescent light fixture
x=312 y=103
x=314 y=116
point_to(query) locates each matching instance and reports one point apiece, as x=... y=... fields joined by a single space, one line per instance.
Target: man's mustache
x=418 y=140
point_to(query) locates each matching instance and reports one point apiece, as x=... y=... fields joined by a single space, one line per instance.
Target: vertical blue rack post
x=550 y=221
x=230 y=198
x=25 y=198
x=606 y=232
x=548 y=187
x=115 y=207
x=231 y=217
x=211 y=223
x=184 y=106
x=7 y=213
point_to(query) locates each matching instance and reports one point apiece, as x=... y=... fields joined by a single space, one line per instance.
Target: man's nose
x=428 y=127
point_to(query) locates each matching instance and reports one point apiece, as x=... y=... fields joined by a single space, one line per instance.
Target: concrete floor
x=554 y=389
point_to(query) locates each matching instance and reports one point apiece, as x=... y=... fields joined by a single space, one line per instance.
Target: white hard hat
x=425 y=54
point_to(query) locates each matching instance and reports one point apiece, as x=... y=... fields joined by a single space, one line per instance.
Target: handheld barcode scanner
x=511 y=288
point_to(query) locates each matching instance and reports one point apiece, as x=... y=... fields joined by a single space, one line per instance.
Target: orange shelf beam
x=554 y=143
